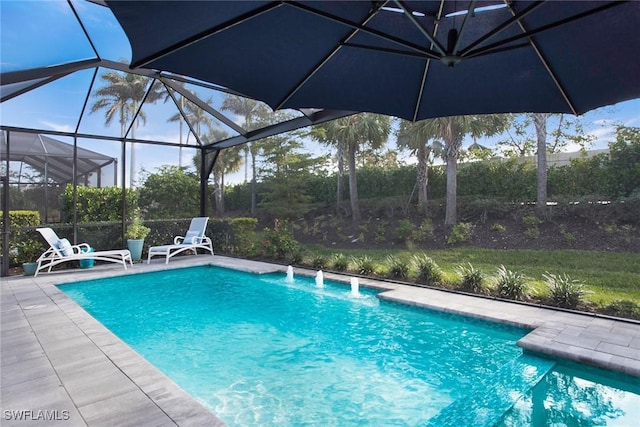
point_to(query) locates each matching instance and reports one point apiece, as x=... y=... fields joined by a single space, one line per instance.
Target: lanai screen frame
x=17 y=83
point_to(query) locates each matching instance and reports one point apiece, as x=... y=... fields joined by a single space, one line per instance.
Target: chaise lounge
x=61 y=250
x=193 y=240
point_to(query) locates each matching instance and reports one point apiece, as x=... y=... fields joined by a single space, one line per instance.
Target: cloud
x=58 y=127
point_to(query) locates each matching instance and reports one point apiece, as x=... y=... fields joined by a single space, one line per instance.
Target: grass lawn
x=609 y=275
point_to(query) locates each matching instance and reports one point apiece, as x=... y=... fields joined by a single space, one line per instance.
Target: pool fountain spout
x=319 y=279
x=289 y=274
x=355 y=287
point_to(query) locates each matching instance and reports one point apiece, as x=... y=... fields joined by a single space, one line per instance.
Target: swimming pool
x=260 y=351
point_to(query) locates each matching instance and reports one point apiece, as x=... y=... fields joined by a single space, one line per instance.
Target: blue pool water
x=259 y=351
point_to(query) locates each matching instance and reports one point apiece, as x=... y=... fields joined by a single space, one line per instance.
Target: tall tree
x=181 y=102
x=452 y=131
x=200 y=120
x=121 y=98
x=531 y=131
x=229 y=161
x=419 y=138
x=327 y=134
x=251 y=112
x=288 y=170
x=170 y=192
x=356 y=131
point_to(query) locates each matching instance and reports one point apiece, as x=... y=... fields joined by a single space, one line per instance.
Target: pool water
x=257 y=350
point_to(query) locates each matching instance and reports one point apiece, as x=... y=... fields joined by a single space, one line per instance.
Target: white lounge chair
x=193 y=240
x=60 y=250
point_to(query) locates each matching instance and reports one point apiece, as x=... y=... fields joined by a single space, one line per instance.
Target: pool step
x=486 y=405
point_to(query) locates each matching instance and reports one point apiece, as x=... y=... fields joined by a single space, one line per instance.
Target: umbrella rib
x=469 y=14
x=204 y=34
x=426 y=65
x=546 y=65
x=364 y=29
x=529 y=34
x=408 y=13
x=501 y=27
x=317 y=68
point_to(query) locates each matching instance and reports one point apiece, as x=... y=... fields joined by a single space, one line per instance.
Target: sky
x=39 y=33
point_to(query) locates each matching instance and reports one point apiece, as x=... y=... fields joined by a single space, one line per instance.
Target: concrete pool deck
x=59 y=363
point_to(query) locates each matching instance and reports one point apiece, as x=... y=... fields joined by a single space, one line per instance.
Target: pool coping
x=83 y=374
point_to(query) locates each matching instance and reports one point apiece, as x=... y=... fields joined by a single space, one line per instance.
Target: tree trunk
x=452 y=186
x=217 y=194
x=340 y=184
x=253 y=183
x=246 y=162
x=540 y=123
x=222 y=194
x=422 y=177
x=453 y=142
x=353 y=184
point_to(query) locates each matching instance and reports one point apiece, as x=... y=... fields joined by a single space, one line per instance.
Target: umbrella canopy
x=410 y=59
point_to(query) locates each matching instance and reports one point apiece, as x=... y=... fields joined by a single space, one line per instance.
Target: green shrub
x=364 y=265
x=296 y=257
x=569 y=237
x=623 y=308
x=398 y=267
x=424 y=232
x=461 y=233
x=28 y=250
x=137 y=230
x=380 y=232
x=233 y=236
x=404 y=230
x=100 y=204
x=564 y=292
x=340 y=262
x=511 y=284
x=279 y=241
x=472 y=278
x=531 y=221
x=244 y=231
x=319 y=262
x=534 y=233
x=428 y=271
x=499 y=228
x=23 y=236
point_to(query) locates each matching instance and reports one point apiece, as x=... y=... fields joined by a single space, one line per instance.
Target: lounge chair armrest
x=178 y=240
x=46 y=254
x=82 y=247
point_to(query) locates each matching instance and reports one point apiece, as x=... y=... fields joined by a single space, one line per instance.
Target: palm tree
x=327 y=134
x=251 y=111
x=178 y=116
x=452 y=130
x=229 y=161
x=415 y=136
x=197 y=117
x=121 y=97
x=354 y=132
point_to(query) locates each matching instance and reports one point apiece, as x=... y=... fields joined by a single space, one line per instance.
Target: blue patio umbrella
x=410 y=59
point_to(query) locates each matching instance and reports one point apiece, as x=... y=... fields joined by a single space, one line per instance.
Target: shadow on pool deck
x=59 y=363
